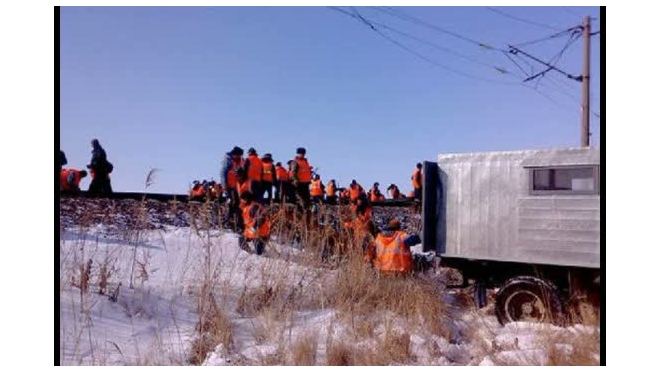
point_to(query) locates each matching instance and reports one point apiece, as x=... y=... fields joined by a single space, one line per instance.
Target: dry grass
x=304 y=350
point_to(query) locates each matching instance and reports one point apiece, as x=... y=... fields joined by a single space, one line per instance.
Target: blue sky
x=175 y=88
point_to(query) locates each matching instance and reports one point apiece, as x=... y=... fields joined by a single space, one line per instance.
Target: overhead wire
x=520 y=19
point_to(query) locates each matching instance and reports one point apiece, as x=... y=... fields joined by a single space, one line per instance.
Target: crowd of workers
x=247 y=184
x=99 y=168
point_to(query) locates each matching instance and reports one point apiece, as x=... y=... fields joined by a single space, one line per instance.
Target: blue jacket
x=224 y=170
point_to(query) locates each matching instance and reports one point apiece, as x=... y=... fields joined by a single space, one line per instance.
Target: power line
x=411 y=51
x=406 y=17
x=522 y=19
x=439 y=47
x=559 y=34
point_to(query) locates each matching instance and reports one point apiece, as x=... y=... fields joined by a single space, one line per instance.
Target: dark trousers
x=279 y=190
x=331 y=200
x=317 y=199
x=418 y=194
x=257 y=191
x=302 y=191
x=268 y=189
x=100 y=185
x=259 y=244
x=234 y=217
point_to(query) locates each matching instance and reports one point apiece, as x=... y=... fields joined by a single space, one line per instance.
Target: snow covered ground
x=149 y=309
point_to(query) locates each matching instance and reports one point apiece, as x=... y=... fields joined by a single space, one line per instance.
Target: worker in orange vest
x=394 y=192
x=390 y=252
x=256 y=223
x=301 y=177
x=70 y=179
x=232 y=162
x=374 y=193
x=361 y=226
x=243 y=183
x=283 y=183
x=417 y=181
x=354 y=190
x=317 y=190
x=268 y=177
x=197 y=191
x=331 y=193
x=254 y=170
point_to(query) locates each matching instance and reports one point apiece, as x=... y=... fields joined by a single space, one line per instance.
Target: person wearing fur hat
x=390 y=251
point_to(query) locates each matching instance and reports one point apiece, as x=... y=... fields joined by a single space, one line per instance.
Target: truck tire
x=530 y=299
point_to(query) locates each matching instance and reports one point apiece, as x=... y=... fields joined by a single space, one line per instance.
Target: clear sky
x=175 y=88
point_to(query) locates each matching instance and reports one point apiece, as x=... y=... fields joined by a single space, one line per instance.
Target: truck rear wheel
x=528 y=299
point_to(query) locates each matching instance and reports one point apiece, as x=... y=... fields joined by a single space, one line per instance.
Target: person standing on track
x=100 y=169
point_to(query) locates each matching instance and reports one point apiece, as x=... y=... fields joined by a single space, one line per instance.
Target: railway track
x=164 y=197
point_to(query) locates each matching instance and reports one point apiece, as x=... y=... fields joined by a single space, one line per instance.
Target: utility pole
x=586 y=70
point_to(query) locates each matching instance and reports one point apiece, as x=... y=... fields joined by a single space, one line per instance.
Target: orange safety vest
x=282 y=174
x=316 y=189
x=197 y=192
x=242 y=187
x=392 y=255
x=354 y=192
x=250 y=230
x=231 y=175
x=268 y=172
x=64 y=176
x=415 y=183
x=255 y=172
x=373 y=196
x=304 y=170
x=331 y=190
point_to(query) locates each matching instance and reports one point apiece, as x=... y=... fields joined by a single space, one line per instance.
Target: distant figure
x=317 y=190
x=417 y=181
x=374 y=193
x=232 y=162
x=301 y=177
x=100 y=168
x=390 y=252
x=283 y=183
x=256 y=222
x=70 y=179
x=354 y=190
x=331 y=193
x=254 y=170
x=63 y=160
x=197 y=191
x=394 y=192
x=268 y=178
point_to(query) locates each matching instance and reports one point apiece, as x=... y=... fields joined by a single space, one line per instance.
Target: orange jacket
x=231 y=175
x=197 y=192
x=252 y=212
x=268 y=175
x=394 y=193
x=315 y=188
x=282 y=174
x=216 y=190
x=354 y=192
x=255 y=170
x=373 y=196
x=242 y=187
x=304 y=172
x=331 y=189
x=417 y=179
x=392 y=255
x=64 y=180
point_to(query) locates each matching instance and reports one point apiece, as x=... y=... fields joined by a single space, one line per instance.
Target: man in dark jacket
x=63 y=160
x=100 y=169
